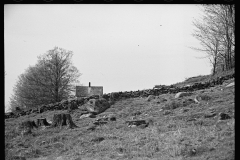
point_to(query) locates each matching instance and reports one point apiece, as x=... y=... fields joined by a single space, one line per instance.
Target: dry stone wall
x=75 y=102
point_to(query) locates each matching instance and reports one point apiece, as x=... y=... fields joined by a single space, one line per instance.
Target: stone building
x=85 y=91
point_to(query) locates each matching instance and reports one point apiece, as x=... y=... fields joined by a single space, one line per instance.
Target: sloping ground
x=205 y=78
x=185 y=86
x=181 y=130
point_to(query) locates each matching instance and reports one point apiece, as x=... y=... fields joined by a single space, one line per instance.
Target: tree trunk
x=26 y=127
x=42 y=122
x=63 y=120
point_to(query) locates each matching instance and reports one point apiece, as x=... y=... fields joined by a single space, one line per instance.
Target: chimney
x=89 y=84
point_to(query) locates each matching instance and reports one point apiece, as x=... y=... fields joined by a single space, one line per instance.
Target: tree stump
x=26 y=127
x=42 y=122
x=63 y=120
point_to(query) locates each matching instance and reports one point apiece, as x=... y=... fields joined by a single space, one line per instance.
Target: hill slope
x=180 y=129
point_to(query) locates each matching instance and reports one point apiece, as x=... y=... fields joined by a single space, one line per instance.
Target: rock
x=97 y=139
x=224 y=116
x=106 y=118
x=210 y=115
x=100 y=122
x=140 y=123
x=192 y=152
x=182 y=94
x=160 y=99
x=97 y=106
x=150 y=97
x=80 y=101
x=196 y=99
x=85 y=115
x=230 y=84
x=185 y=110
x=94 y=97
x=91 y=127
x=166 y=112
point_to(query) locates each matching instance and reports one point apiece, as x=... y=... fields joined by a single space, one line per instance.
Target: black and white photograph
x=119 y=81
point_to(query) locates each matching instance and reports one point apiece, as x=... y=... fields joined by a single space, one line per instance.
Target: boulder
x=97 y=106
x=230 y=84
x=80 y=101
x=110 y=117
x=182 y=94
x=150 y=97
x=86 y=115
x=94 y=97
x=136 y=122
x=224 y=116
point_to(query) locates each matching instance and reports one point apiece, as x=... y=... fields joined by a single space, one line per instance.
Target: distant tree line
x=51 y=80
x=216 y=33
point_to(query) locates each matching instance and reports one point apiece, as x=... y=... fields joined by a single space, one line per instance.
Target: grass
x=203 y=78
x=184 y=134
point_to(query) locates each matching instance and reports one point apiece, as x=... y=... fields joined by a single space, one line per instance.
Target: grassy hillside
x=203 y=78
x=181 y=130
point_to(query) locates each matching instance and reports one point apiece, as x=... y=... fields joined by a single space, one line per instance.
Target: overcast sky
x=119 y=47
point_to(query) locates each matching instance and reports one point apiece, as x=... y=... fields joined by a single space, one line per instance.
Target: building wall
x=85 y=91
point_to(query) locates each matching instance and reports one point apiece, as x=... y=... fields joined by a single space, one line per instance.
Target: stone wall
x=64 y=105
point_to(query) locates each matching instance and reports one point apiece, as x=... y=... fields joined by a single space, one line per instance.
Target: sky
x=122 y=47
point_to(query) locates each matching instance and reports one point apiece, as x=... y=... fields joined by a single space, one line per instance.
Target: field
x=180 y=129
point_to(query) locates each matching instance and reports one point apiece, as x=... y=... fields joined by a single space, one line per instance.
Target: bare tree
x=50 y=80
x=216 y=34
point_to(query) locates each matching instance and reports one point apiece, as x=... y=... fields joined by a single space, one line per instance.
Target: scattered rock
x=110 y=117
x=224 y=116
x=97 y=139
x=210 y=115
x=94 y=97
x=92 y=127
x=97 y=106
x=99 y=122
x=166 y=112
x=140 y=123
x=87 y=115
x=192 y=152
x=185 y=110
x=230 y=84
x=120 y=151
x=182 y=94
x=196 y=99
x=150 y=97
